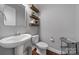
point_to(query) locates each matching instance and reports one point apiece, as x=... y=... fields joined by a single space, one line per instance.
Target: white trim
x=54 y=50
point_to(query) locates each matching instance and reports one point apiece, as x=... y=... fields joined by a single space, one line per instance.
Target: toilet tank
x=35 y=39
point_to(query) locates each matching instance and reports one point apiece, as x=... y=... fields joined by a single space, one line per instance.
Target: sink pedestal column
x=19 y=50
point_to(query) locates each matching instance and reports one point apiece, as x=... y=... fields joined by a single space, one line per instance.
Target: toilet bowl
x=41 y=46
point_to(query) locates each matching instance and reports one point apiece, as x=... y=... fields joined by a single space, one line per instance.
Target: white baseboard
x=54 y=50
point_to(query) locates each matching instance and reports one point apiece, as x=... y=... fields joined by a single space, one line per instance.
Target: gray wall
x=58 y=21
x=20 y=27
x=77 y=22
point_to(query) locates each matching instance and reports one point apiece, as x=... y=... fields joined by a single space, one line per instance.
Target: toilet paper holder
x=52 y=39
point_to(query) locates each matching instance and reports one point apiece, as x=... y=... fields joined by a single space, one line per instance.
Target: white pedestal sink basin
x=14 y=41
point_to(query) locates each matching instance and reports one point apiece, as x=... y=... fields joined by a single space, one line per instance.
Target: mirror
x=9 y=15
x=14 y=14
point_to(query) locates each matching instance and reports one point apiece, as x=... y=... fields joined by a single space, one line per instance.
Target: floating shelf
x=34 y=24
x=34 y=17
x=34 y=9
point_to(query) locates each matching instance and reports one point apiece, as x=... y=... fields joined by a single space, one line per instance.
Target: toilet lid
x=42 y=45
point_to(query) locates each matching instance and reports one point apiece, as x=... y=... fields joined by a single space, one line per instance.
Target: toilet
x=41 y=46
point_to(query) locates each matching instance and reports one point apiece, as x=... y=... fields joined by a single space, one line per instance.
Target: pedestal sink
x=15 y=41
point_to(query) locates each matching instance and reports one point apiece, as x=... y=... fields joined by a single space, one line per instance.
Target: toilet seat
x=42 y=45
